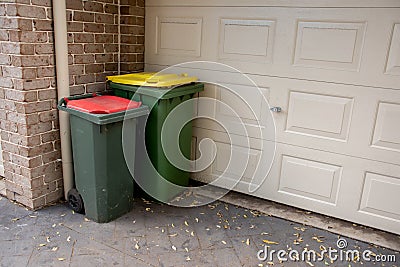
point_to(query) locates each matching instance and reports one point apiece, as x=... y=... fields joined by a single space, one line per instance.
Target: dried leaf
x=266 y=241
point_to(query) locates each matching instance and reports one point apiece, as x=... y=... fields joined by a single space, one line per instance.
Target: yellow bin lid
x=152 y=79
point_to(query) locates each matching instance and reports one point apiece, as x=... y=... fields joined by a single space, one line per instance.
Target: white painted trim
x=1 y=161
x=274 y=3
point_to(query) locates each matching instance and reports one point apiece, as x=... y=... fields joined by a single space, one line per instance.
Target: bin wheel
x=75 y=201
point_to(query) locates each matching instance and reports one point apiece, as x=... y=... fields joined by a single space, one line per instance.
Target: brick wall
x=28 y=114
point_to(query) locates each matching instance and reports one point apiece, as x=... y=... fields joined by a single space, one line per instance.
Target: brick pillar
x=29 y=123
x=28 y=115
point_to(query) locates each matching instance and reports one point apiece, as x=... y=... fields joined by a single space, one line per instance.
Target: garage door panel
x=329 y=44
x=309 y=179
x=393 y=62
x=387 y=127
x=246 y=40
x=178 y=36
x=319 y=115
x=381 y=195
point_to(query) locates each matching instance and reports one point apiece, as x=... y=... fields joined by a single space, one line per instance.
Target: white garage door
x=333 y=69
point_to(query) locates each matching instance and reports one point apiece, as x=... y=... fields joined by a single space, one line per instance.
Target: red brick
x=93 y=6
x=84 y=79
x=104 y=18
x=31 y=84
x=74 y=26
x=77 y=90
x=94 y=48
x=93 y=27
x=10 y=48
x=104 y=38
x=111 y=48
x=50 y=136
x=46 y=72
x=43 y=25
x=76 y=69
x=83 y=16
x=52 y=156
x=75 y=48
x=96 y=87
x=20 y=95
x=104 y=58
x=8 y=23
x=75 y=4
x=48 y=116
x=30 y=11
x=4 y=35
x=111 y=28
x=83 y=38
x=113 y=9
x=94 y=68
x=83 y=59
x=54 y=196
x=37 y=106
x=42 y=2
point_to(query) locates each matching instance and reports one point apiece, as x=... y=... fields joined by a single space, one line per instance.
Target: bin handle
x=64 y=101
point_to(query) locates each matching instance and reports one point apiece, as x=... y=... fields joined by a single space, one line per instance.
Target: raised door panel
x=381 y=196
x=329 y=44
x=393 y=61
x=309 y=179
x=246 y=40
x=319 y=115
x=179 y=36
x=387 y=127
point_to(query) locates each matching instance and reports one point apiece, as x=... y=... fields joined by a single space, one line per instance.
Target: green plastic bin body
x=161 y=104
x=101 y=174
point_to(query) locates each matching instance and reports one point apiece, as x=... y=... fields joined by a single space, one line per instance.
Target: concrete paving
x=153 y=234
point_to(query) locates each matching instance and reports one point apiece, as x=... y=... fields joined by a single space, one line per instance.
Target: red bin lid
x=104 y=104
